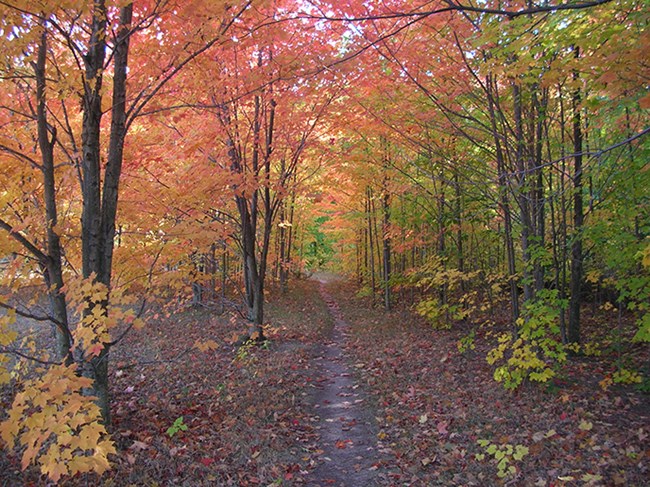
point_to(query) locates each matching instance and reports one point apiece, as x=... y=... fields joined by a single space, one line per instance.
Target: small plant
x=621 y=376
x=466 y=343
x=243 y=354
x=644 y=385
x=176 y=427
x=505 y=455
x=535 y=350
x=626 y=376
x=364 y=292
x=433 y=312
x=434 y=276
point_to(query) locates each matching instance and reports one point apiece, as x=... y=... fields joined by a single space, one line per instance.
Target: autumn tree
x=64 y=68
x=263 y=117
x=527 y=101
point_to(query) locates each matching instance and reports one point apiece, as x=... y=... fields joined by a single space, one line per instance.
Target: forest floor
x=345 y=393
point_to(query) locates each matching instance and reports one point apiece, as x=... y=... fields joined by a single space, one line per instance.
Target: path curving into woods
x=346 y=422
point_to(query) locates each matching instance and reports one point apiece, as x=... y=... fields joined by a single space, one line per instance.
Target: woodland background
x=169 y=169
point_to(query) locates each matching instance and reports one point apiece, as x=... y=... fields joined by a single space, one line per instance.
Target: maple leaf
x=206 y=345
x=54 y=470
x=585 y=425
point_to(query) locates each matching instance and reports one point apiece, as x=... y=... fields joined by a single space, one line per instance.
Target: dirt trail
x=346 y=426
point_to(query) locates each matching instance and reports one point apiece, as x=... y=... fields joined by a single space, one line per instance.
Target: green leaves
x=176 y=427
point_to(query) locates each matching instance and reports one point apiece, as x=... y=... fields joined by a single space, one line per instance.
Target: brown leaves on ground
x=244 y=410
x=434 y=404
x=227 y=416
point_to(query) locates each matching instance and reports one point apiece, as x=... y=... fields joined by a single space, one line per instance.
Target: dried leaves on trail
x=245 y=417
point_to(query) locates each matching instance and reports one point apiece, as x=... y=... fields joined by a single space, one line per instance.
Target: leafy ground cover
x=220 y=417
x=447 y=422
x=246 y=416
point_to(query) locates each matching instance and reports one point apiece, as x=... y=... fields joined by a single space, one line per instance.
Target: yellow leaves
x=5 y=376
x=585 y=425
x=7 y=336
x=102 y=311
x=58 y=425
x=89 y=436
x=205 y=345
x=50 y=464
x=593 y=276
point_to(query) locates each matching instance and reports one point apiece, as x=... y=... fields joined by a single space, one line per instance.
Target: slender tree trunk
x=522 y=195
x=53 y=267
x=578 y=220
x=458 y=205
x=371 y=240
x=92 y=243
x=290 y=238
x=224 y=275
x=537 y=193
x=442 y=241
x=504 y=201
x=386 y=247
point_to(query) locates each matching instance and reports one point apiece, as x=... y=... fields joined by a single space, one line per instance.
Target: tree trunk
x=386 y=247
x=53 y=272
x=575 y=285
x=100 y=208
x=371 y=250
x=504 y=201
x=458 y=210
x=522 y=196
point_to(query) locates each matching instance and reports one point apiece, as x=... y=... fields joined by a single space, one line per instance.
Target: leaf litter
x=256 y=418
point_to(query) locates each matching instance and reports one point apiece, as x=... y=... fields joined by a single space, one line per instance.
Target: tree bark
x=575 y=285
x=53 y=269
x=100 y=206
x=386 y=246
x=504 y=200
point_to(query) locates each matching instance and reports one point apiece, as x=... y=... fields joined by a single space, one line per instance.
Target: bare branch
x=13 y=351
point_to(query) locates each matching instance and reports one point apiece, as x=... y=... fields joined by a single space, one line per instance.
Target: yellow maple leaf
x=54 y=470
x=8 y=431
x=585 y=425
x=81 y=464
x=206 y=345
x=89 y=436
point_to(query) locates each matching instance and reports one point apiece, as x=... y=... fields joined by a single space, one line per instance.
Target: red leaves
x=442 y=428
x=343 y=444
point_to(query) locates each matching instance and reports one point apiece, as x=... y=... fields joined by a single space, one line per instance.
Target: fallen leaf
x=585 y=425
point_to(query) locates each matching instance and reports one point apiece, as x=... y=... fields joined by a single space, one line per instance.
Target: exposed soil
x=346 y=424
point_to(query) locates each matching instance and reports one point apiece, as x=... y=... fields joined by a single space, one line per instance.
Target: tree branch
x=35 y=251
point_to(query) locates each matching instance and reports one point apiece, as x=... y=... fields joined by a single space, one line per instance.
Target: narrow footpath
x=346 y=426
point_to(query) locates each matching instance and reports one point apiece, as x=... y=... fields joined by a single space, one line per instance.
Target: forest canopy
x=478 y=162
